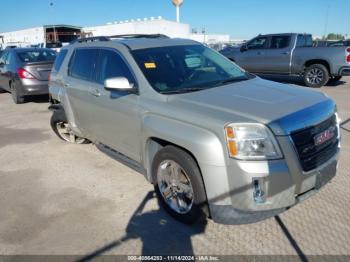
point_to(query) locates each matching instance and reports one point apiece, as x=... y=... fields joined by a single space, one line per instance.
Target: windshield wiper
x=182 y=90
x=231 y=80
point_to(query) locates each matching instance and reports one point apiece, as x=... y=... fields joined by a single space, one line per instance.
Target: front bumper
x=281 y=189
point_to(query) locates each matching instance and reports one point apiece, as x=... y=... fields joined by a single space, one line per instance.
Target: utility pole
x=326 y=22
x=53 y=25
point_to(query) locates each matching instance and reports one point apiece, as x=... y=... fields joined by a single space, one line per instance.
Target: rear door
x=80 y=79
x=278 y=56
x=253 y=58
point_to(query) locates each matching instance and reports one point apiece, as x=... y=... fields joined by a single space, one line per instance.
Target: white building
x=141 y=26
x=67 y=33
x=41 y=34
x=153 y=26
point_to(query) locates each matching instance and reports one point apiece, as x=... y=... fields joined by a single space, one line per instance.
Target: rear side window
x=59 y=59
x=112 y=65
x=3 y=58
x=280 y=42
x=83 y=64
x=304 y=41
x=36 y=56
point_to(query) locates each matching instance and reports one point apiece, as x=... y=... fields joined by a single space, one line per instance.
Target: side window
x=304 y=41
x=258 y=43
x=112 y=65
x=3 y=57
x=59 y=59
x=83 y=64
x=9 y=58
x=280 y=42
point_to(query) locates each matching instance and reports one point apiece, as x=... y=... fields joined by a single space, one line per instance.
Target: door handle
x=95 y=92
x=260 y=53
x=285 y=53
x=66 y=84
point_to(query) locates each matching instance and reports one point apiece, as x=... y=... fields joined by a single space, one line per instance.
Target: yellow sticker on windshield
x=150 y=65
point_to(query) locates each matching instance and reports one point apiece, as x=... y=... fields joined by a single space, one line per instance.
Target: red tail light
x=348 y=50
x=348 y=57
x=23 y=74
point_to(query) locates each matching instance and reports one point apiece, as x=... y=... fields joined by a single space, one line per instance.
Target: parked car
x=340 y=43
x=25 y=71
x=213 y=139
x=292 y=54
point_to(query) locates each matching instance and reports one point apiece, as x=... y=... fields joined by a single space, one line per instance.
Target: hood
x=257 y=100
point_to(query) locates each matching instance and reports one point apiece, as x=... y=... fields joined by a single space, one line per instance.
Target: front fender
x=203 y=144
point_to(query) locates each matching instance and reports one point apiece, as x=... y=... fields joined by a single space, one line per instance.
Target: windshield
x=36 y=56
x=176 y=69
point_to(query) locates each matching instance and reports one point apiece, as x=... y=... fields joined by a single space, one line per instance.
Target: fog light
x=258 y=193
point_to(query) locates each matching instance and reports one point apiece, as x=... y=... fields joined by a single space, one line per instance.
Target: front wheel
x=60 y=126
x=179 y=185
x=316 y=75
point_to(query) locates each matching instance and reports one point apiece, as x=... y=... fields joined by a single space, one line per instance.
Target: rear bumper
x=344 y=71
x=28 y=87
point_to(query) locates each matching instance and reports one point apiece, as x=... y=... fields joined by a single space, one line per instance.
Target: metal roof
x=63 y=25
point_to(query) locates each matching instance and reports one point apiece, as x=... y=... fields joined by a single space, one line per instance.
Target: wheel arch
x=318 y=61
x=204 y=146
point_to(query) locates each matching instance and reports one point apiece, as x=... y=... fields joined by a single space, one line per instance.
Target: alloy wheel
x=175 y=186
x=66 y=134
x=315 y=76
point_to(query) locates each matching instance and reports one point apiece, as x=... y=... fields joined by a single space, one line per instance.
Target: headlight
x=251 y=142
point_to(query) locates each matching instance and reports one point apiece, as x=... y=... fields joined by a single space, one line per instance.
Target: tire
x=59 y=123
x=196 y=209
x=17 y=99
x=334 y=80
x=316 y=75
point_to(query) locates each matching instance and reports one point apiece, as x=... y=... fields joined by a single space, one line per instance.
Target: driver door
x=252 y=57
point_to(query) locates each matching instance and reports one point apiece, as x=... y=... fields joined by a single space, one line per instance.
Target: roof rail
x=108 y=38
x=90 y=39
x=127 y=36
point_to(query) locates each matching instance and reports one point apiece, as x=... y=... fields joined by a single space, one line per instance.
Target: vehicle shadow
x=158 y=232
x=38 y=99
x=162 y=235
x=296 y=80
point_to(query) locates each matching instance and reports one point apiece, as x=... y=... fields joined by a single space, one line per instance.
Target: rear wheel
x=17 y=99
x=179 y=185
x=60 y=126
x=316 y=75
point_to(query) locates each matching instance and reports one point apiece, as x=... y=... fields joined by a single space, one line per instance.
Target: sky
x=242 y=19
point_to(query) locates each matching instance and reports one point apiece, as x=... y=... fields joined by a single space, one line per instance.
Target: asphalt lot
x=58 y=198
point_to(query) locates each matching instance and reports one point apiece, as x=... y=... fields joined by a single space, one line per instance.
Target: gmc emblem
x=325 y=136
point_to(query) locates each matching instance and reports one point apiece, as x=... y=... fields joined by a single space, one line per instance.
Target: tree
x=334 y=36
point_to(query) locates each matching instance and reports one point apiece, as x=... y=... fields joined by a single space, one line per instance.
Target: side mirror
x=244 y=48
x=118 y=83
x=2 y=64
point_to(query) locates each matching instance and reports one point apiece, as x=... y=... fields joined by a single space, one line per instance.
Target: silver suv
x=213 y=139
